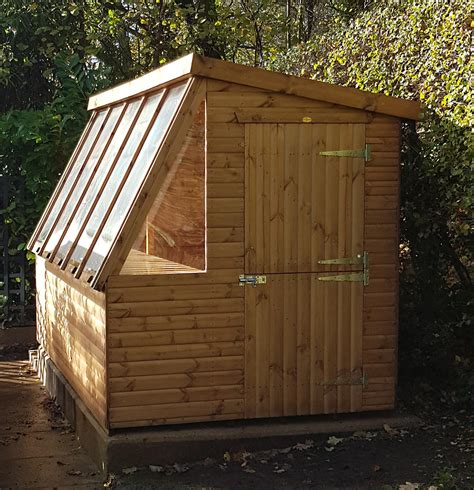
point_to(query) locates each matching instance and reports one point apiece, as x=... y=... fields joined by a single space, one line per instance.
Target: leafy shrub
x=420 y=49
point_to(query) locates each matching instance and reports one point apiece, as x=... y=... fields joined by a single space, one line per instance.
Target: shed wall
x=176 y=341
x=71 y=328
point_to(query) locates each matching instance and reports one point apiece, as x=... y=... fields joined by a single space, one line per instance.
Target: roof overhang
x=196 y=65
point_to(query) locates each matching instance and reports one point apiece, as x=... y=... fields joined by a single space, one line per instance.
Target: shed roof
x=196 y=65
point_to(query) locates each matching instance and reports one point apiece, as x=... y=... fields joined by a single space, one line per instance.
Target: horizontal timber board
x=175 y=292
x=224 y=161
x=169 y=337
x=175 y=322
x=224 y=235
x=176 y=420
x=206 y=408
x=225 y=174
x=185 y=307
x=176 y=381
x=209 y=277
x=183 y=395
x=225 y=190
x=301 y=115
x=380 y=328
x=225 y=145
x=176 y=366
x=176 y=351
x=261 y=99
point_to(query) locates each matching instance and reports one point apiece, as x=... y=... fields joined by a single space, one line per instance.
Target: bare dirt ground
x=38 y=450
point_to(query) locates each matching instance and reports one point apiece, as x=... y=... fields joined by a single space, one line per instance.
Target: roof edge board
x=195 y=64
x=304 y=87
x=168 y=73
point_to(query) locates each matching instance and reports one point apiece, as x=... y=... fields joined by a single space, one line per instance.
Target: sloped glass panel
x=113 y=183
x=71 y=179
x=84 y=177
x=135 y=179
x=78 y=220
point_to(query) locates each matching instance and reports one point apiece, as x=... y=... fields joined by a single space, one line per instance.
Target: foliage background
x=53 y=55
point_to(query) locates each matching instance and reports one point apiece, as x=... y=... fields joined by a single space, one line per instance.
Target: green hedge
x=420 y=49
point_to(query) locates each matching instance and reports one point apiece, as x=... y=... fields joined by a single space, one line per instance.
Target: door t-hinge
x=363 y=276
x=364 y=153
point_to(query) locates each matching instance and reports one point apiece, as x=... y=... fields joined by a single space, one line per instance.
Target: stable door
x=305 y=268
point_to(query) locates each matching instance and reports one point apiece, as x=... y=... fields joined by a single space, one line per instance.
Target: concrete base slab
x=181 y=444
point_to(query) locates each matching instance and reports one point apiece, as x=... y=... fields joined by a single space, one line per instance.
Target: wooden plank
x=166 y=74
x=224 y=160
x=183 y=395
x=166 y=293
x=225 y=144
x=177 y=322
x=281 y=83
x=301 y=115
x=225 y=175
x=173 y=410
x=229 y=190
x=184 y=307
x=176 y=381
x=224 y=235
x=176 y=366
x=176 y=420
x=240 y=98
x=170 y=337
x=148 y=353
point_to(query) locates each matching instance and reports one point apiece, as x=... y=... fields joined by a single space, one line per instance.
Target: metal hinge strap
x=350 y=276
x=364 y=153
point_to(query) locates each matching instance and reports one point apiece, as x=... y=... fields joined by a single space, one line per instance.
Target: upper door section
x=304 y=199
x=103 y=180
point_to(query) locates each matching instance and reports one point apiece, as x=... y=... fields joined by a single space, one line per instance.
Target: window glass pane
x=135 y=179
x=97 y=124
x=116 y=176
x=98 y=180
x=83 y=178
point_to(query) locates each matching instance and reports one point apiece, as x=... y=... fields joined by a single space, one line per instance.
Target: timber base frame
x=177 y=444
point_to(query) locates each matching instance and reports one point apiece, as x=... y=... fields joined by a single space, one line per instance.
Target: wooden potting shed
x=223 y=244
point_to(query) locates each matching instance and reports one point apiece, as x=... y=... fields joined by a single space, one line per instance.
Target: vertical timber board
x=71 y=328
x=281 y=379
x=315 y=335
x=301 y=207
x=381 y=240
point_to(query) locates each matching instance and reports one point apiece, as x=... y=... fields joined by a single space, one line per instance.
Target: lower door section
x=303 y=347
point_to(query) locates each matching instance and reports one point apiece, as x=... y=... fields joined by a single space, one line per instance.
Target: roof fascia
x=170 y=73
x=303 y=87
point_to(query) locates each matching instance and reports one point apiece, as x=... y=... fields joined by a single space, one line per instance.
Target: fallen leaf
x=300 y=446
x=129 y=471
x=156 y=469
x=329 y=449
x=389 y=430
x=180 y=468
x=334 y=441
x=247 y=469
x=227 y=456
x=285 y=450
x=74 y=472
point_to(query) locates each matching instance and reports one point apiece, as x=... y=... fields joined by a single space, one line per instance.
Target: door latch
x=252 y=280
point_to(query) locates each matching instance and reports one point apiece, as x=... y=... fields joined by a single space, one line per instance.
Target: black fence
x=17 y=293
